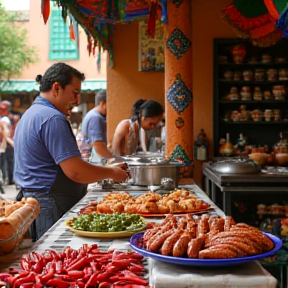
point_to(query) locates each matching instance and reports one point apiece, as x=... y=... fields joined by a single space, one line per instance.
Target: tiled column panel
x=178 y=83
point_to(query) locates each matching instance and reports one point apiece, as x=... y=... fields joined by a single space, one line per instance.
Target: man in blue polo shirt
x=48 y=164
x=94 y=129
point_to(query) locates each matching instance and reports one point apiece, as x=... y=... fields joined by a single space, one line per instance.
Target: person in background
x=94 y=129
x=48 y=163
x=7 y=158
x=146 y=115
x=4 y=140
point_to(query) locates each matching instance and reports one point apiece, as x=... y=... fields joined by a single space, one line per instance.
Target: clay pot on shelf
x=268 y=115
x=257 y=95
x=222 y=59
x=266 y=58
x=277 y=114
x=281 y=150
x=280 y=60
x=267 y=95
x=283 y=74
x=244 y=114
x=235 y=116
x=259 y=74
x=279 y=92
x=237 y=75
x=257 y=115
x=260 y=158
x=233 y=95
x=246 y=93
x=247 y=75
x=272 y=74
x=281 y=159
x=238 y=53
x=228 y=75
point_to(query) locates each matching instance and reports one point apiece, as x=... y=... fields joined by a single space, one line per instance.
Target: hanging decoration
x=97 y=17
x=282 y=22
x=255 y=20
x=45 y=10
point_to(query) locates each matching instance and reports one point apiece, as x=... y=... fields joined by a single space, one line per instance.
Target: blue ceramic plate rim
x=205 y=262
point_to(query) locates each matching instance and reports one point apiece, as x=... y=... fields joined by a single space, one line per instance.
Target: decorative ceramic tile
x=180 y=155
x=178 y=43
x=179 y=122
x=177 y=3
x=179 y=95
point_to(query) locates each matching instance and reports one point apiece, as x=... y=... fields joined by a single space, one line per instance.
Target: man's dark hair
x=58 y=72
x=100 y=96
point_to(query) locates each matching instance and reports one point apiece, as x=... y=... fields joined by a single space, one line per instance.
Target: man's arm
x=102 y=150
x=81 y=171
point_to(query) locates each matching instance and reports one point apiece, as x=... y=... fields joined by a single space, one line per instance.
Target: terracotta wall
x=38 y=36
x=126 y=84
x=206 y=26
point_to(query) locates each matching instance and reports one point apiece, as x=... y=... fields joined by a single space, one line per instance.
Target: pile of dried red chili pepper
x=83 y=268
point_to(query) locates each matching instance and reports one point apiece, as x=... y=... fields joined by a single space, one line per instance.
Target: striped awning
x=20 y=86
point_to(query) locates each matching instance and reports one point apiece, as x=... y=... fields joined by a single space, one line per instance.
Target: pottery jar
x=259 y=74
x=266 y=58
x=268 y=115
x=277 y=114
x=256 y=115
x=246 y=93
x=267 y=95
x=228 y=75
x=280 y=60
x=235 y=116
x=237 y=76
x=257 y=95
x=272 y=74
x=238 y=53
x=279 y=92
x=283 y=74
x=233 y=95
x=248 y=75
x=244 y=114
x=223 y=59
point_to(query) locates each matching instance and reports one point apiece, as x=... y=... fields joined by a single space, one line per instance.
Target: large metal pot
x=236 y=166
x=145 y=174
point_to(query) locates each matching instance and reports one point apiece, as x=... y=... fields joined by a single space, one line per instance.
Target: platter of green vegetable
x=114 y=225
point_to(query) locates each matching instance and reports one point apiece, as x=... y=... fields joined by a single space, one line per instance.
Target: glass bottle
x=227 y=149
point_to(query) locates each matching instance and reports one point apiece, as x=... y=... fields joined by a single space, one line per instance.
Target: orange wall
x=206 y=26
x=126 y=84
x=38 y=36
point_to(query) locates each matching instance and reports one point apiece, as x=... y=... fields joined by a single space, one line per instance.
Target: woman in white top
x=145 y=115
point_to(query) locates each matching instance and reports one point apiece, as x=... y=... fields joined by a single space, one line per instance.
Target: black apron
x=66 y=192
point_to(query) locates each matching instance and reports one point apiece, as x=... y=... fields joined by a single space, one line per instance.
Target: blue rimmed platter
x=136 y=239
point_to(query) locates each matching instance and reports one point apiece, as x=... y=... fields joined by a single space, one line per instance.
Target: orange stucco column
x=178 y=82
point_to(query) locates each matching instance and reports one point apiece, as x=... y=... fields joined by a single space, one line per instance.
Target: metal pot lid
x=236 y=166
x=154 y=162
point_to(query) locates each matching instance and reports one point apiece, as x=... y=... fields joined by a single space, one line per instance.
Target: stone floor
x=10 y=192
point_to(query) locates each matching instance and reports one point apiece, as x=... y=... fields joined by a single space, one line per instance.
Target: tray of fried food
x=205 y=237
x=153 y=203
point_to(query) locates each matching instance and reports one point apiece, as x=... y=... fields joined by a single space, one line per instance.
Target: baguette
x=13 y=227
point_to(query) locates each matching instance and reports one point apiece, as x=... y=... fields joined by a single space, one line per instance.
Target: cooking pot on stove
x=149 y=173
x=236 y=166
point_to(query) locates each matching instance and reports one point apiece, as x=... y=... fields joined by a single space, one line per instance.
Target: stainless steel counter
x=229 y=184
x=160 y=274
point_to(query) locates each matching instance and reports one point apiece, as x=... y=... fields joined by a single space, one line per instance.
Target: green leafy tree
x=15 y=53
